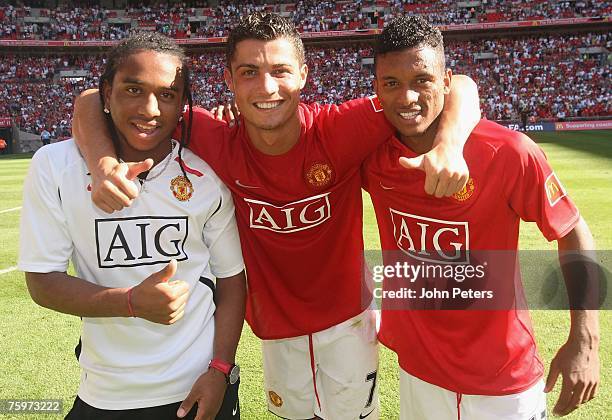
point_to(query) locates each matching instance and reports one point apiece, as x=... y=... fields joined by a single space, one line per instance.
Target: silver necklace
x=167 y=160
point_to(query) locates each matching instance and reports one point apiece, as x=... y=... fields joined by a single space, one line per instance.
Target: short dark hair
x=406 y=32
x=148 y=41
x=264 y=27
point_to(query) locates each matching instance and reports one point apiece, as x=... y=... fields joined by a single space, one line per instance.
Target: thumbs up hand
x=159 y=300
x=133 y=169
x=112 y=183
x=445 y=171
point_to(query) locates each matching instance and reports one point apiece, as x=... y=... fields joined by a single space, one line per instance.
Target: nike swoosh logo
x=235 y=410
x=240 y=184
x=361 y=416
x=385 y=188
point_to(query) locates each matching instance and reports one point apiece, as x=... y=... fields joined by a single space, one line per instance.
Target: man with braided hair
x=151 y=347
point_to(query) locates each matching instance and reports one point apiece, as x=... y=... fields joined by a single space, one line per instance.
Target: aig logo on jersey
x=133 y=241
x=431 y=240
x=292 y=217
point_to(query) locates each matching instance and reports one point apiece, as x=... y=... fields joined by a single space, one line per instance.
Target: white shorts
x=420 y=400
x=331 y=374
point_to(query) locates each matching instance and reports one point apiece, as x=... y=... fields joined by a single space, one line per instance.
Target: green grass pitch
x=36 y=344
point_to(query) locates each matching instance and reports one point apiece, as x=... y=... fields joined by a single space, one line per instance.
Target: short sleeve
x=535 y=192
x=220 y=235
x=356 y=128
x=45 y=244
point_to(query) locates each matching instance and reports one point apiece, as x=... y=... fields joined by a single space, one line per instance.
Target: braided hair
x=156 y=42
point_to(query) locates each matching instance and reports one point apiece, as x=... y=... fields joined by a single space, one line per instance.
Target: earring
x=180 y=118
x=106 y=110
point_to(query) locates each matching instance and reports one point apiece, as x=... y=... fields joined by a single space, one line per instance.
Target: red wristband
x=129 y=299
x=221 y=365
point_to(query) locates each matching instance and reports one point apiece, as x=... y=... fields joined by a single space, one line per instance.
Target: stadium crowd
x=98 y=23
x=546 y=77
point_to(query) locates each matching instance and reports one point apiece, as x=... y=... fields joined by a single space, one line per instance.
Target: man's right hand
x=112 y=183
x=159 y=300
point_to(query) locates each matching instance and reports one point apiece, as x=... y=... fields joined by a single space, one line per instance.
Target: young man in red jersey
x=294 y=172
x=469 y=364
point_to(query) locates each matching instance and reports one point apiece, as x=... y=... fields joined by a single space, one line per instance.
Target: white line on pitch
x=8 y=270
x=13 y=209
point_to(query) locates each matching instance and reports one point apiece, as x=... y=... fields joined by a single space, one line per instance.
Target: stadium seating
x=546 y=77
x=543 y=75
x=195 y=20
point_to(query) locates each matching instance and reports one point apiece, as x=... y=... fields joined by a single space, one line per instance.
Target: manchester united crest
x=466 y=192
x=319 y=175
x=181 y=188
x=275 y=399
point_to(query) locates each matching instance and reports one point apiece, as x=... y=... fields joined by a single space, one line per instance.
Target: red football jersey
x=479 y=352
x=299 y=214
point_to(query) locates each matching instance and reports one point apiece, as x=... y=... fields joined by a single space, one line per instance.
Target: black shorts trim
x=230 y=410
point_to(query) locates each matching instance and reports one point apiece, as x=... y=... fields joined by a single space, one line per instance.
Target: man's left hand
x=228 y=113
x=445 y=170
x=578 y=364
x=208 y=392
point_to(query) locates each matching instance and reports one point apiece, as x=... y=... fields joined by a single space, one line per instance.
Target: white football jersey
x=130 y=362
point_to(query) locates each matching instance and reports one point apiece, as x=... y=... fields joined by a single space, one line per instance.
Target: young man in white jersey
x=160 y=286
x=293 y=169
